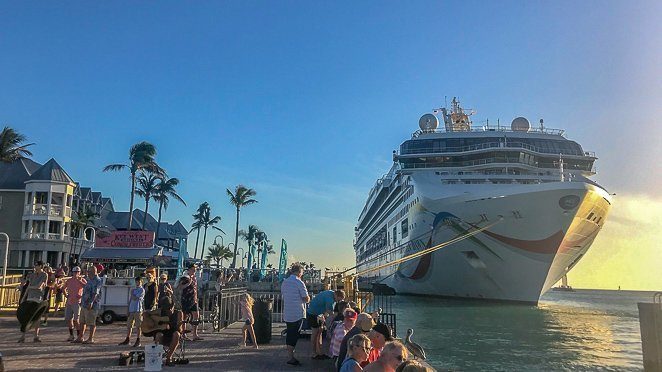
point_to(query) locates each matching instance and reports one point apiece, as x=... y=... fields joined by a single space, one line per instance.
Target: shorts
x=190 y=308
x=313 y=320
x=72 y=312
x=248 y=322
x=89 y=317
x=59 y=297
x=292 y=332
x=136 y=318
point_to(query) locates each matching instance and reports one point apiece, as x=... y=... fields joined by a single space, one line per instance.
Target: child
x=246 y=305
x=135 y=312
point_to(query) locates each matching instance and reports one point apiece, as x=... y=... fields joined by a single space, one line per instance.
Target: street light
x=4 y=268
x=242 y=254
x=221 y=236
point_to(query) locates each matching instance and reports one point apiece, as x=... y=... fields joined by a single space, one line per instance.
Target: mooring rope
x=425 y=251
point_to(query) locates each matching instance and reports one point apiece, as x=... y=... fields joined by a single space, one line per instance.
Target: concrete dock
x=217 y=351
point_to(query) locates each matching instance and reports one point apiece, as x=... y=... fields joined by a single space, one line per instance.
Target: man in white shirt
x=295 y=297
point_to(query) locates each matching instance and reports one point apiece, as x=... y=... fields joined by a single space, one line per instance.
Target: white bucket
x=153 y=357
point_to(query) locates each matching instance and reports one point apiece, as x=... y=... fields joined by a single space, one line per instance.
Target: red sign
x=126 y=239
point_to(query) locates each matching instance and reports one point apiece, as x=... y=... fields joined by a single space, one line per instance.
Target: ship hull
x=534 y=234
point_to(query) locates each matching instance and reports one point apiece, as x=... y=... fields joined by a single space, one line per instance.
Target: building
x=40 y=208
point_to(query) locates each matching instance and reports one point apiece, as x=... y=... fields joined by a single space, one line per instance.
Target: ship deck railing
x=489 y=145
x=488 y=128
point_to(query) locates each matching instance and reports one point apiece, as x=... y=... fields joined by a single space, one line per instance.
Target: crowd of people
x=357 y=341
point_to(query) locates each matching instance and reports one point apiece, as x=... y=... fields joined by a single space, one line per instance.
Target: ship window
x=395 y=233
x=404 y=227
x=589 y=216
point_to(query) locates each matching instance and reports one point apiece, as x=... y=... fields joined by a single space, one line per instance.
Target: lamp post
x=242 y=255
x=229 y=245
x=242 y=259
x=93 y=237
x=217 y=236
x=4 y=269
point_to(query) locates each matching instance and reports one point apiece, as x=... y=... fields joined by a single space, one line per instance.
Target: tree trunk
x=158 y=225
x=204 y=239
x=146 y=207
x=236 y=241
x=197 y=239
x=133 y=190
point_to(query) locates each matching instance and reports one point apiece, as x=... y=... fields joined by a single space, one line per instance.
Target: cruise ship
x=486 y=212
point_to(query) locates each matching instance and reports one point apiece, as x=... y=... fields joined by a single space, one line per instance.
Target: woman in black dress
x=151 y=292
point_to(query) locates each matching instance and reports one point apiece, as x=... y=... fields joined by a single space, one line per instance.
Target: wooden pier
x=218 y=351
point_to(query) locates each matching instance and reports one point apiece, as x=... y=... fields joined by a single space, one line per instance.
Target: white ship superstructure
x=529 y=188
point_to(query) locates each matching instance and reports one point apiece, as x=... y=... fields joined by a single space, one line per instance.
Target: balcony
x=42 y=236
x=35 y=209
x=55 y=210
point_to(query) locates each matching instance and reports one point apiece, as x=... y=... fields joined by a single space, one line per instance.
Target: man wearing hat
x=73 y=289
x=379 y=336
x=364 y=324
x=190 y=298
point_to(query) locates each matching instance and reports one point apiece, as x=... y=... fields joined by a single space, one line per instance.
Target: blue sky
x=304 y=101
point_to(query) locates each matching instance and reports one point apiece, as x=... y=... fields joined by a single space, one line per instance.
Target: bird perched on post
x=413 y=347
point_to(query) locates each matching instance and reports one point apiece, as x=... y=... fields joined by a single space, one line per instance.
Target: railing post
x=4 y=269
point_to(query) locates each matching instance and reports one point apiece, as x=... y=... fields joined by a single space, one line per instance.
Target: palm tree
x=208 y=221
x=165 y=189
x=146 y=188
x=241 y=197
x=141 y=157
x=250 y=236
x=218 y=252
x=85 y=218
x=197 y=224
x=12 y=147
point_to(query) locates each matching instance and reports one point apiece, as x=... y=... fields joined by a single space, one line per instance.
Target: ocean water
x=583 y=330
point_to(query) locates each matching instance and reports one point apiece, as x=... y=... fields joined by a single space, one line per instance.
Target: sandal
x=293 y=362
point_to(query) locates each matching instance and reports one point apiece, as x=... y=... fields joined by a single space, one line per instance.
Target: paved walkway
x=218 y=351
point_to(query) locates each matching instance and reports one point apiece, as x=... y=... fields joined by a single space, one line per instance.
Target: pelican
x=413 y=347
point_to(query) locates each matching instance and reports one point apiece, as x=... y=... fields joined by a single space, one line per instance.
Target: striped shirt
x=293 y=291
x=338 y=334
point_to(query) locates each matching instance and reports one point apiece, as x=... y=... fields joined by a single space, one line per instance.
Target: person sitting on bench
x=170 y=337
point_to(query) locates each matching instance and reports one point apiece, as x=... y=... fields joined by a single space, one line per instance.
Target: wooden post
x=650 y=323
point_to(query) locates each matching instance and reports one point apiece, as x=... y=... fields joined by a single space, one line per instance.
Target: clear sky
x=304 y=101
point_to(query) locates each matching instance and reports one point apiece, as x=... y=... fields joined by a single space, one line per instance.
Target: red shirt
x=74 y=289
x=373 y=356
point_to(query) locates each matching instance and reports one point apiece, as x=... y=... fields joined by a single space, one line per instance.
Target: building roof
x=13 y=175
x=85 y=193
x=51 y=171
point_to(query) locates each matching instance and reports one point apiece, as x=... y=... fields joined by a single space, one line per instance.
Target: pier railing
x=221 y=308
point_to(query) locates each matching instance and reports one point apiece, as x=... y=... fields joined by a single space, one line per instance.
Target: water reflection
x=584 y=333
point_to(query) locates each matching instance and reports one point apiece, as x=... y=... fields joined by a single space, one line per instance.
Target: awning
x=121 y=255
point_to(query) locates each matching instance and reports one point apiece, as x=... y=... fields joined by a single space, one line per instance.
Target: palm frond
x=114 y=167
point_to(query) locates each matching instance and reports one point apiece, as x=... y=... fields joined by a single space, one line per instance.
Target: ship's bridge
x=476 y=148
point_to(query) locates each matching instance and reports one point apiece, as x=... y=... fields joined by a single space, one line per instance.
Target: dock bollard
x=650 y=323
